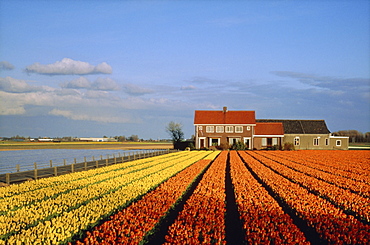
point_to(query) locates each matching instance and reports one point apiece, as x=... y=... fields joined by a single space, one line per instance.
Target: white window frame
x=316 y=141
x=210 y=129
x=264 y=142
x=229 y=129
x=210 y=141
x=297 y=141
x=248 y=128
x=219 y=129
x=327 y=141
x=338 y=141
x=274 y=141
x=238 y=129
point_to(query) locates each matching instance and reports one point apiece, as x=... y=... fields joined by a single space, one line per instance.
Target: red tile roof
x=221 y=117
x=269 y=129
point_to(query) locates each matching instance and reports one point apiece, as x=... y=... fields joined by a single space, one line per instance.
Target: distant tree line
x=354 y=136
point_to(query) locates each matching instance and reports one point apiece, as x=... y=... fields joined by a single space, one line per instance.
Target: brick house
x=213 y=128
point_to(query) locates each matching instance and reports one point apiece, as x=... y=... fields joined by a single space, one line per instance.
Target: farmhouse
x=213 y=128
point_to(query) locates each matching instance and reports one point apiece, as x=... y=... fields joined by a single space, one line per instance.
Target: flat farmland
x=198 y=197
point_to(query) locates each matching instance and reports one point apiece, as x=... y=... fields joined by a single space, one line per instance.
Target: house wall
x=258 y=143
x=324 y=142
x=344 y=142
x=201 y=134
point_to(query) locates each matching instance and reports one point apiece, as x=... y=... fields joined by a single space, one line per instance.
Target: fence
x=36 y=173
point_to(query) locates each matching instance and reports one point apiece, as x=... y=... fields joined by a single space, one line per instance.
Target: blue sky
x=94 y=68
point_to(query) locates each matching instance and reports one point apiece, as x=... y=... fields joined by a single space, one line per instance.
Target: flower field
x=280 y=197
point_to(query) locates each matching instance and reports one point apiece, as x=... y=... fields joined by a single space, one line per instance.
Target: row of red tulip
x=263 y=219
x=130 y=225
x=341 y=197
x=202 y=221
x=329 y=222
x=353 y=182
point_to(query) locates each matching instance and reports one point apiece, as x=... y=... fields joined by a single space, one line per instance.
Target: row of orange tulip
x=262 y=217
x=341 y=197
x=76 y=210
x=130 y=225
x=329 y=222
x=202 y=221
x=352 y=164
x=354 y=182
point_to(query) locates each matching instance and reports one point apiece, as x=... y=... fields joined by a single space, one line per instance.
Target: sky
x=110 y=68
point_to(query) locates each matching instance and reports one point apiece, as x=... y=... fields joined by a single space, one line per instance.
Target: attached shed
x=309 y=134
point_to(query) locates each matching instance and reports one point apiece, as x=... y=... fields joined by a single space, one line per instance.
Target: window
x=274 y=141
x=219 y=129
x=296 y=141
x=210 y=129
x=315 y=141
x=229 y=129
x=326 y=141
x=248 y=128
x=338 y=143
x=214 y=141
x=200 y=127
x=264 y=141
x=238 y=129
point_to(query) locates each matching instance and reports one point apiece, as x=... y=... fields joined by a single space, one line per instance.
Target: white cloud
x=5 y=65
x=77 y=115
x=191 y=87
x=77 y=83
x=9 y=84
x=135 y=90
x=106 y=84
x=69 y=67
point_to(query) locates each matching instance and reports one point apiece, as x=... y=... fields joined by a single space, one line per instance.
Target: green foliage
x=288 y=146
x=238 y=146
x=175 y=131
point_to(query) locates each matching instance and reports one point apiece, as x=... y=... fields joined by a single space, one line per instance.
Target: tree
x=175 y=131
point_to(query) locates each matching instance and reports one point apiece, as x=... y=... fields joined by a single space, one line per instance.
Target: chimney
x=225 y=109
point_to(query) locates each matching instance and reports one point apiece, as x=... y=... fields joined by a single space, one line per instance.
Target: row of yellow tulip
x=331 y=223
x=26 y=187
x=65 y=183
x=130 y=225
x=343 y=198
x=82 y=191
x=72 y=216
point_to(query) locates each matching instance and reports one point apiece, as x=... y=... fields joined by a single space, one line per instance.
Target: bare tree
x=175 y=131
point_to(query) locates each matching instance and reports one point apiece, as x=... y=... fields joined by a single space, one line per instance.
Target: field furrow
x=331 y=223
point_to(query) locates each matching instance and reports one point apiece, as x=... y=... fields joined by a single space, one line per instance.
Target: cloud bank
x=69 y=67
x=5 y=65
x=105 y=84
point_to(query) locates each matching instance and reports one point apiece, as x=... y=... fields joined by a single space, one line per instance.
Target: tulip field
x=198 y=197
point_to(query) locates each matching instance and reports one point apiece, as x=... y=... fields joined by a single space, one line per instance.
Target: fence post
x=85 y=164
x=73 y=167
x=101 y=157
x=35 y=165
x=17 y=167
x=51 y=163
x=7 y=177
x=64 y=162
x=97 y=163
x=55 y=171
x=35 y=174
x=75 y=161
x=93 y=158
x=106 y=162
x=115 y=160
